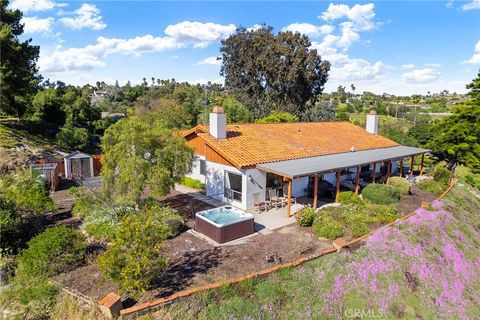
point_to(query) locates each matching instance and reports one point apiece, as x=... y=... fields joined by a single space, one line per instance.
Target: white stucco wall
x=195 y=174
x=256 y=181
x=214 y=183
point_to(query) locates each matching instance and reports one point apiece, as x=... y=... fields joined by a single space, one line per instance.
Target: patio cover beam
x=330 y=163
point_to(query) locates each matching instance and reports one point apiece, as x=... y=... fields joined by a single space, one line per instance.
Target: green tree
x=79 y=110
x=18 y=72
x=323 y=110
x=141 y=155
x=73 y=138
x=11 y=226
x=47 y=106
x=278 y=116
x=134 y=261
x=266 y=71
x=457 y=138
x=474 y=92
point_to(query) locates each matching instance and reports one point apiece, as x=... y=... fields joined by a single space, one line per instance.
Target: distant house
x=241 y=164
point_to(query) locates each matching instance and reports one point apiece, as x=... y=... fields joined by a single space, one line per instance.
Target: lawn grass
x=193 y=183
x=427 y=267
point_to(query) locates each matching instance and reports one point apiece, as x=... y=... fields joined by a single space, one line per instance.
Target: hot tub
x=224 y=224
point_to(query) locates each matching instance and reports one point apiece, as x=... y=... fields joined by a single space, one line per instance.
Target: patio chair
x=293 y=199
x=261 y=206
x=275 y=200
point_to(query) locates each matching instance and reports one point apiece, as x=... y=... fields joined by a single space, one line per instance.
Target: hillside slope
x=425 y=267
x=18 y=147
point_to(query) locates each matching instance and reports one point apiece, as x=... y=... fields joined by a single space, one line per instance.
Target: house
x=241 y=163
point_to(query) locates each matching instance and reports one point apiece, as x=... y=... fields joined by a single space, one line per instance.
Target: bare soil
x=414 y=201
x=194 y=261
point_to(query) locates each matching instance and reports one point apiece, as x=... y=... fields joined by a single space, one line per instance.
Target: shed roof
x=77 y=155
x=308 y=166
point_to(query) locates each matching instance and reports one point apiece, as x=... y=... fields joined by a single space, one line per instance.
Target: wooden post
x=421 y=164
x=357 y=177
x=315 y=191
x=289 y=198
x=337 y=189
x=374 y=173
x=411 y=166
x=389 y=165
x=401 y=168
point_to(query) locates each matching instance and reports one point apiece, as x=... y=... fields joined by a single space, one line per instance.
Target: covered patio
x=351 y=171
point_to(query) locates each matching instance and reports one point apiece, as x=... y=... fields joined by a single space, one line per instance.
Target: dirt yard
x=194 y=261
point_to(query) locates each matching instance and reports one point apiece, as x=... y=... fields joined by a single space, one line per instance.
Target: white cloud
x=94 y=55
x=211 y=60
x=309 y=29
x=35 y=5
x=423 y=75
x=357 y=69
x=433 y=65
x=87 y=16
x=476 y=55
x=200 y=35
x=408 y=66
x=255 y=27
x=475 y=4
x=360 y=15
x=37 y=25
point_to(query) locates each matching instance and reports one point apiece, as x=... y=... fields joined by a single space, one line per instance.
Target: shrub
x=134 y=261
x=473 y=180
x=25 y=190
x=7 y=266
x=349 y=198
x=359 y=228
x=442 y=174
x=55 y=250
x=402 y=185
x=11 y=226
x=327 y=227
x=380 y=194
x=382 y=213
x=193 y=183
x=432 y=186
x=305 y=217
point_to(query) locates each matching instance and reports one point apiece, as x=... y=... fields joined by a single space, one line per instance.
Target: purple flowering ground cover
x=425 y=267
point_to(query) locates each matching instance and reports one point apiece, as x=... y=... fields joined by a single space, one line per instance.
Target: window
x=203 y=167
x=233 y=186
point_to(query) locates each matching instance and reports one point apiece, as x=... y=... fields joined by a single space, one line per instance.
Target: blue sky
x=396 y=47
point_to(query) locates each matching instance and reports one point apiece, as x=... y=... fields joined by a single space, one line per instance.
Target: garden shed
x=50 y=171
x=78 y=165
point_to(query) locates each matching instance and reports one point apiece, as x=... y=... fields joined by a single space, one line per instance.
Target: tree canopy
x=457 y=137
x=140 y=155
x=18 y=72
x=272 y=72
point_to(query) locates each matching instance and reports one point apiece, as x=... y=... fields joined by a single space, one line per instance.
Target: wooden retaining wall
x=142 y=308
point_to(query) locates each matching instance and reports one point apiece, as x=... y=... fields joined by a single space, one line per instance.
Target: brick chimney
x=372 y=122
x=218 y=123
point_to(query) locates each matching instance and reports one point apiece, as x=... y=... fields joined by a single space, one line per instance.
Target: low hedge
x=327 y=227
x=349 y=198
x=402 y=185
x=305 y=217
x=432 y=186
x=380 y=194
x=193 y=183
x=442 y=174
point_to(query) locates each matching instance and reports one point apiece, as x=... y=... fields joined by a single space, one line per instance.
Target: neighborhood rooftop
x=249 y=144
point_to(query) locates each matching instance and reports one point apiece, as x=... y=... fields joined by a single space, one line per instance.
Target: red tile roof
x=248 y=144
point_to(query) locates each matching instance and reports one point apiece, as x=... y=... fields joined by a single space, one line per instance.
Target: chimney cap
x=373 y=112
x=217 y=109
